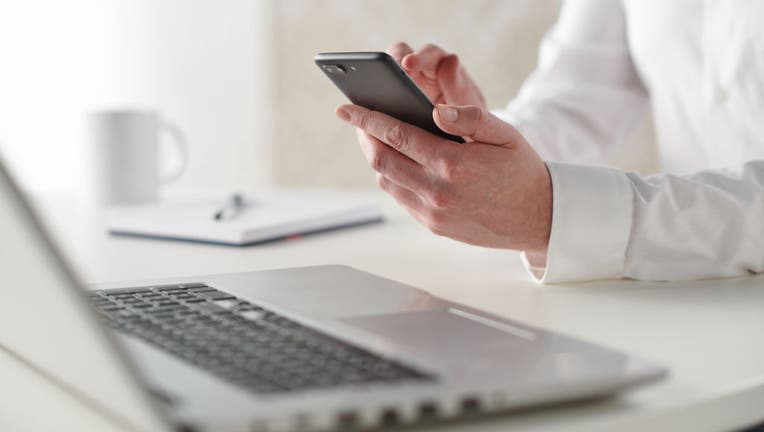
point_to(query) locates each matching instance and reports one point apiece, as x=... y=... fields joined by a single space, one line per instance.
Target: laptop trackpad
x=446 y=329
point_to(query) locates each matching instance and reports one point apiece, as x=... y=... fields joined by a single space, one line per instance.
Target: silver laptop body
x=434 y=359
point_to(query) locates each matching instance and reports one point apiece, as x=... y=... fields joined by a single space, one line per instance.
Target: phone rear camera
x=335 y=69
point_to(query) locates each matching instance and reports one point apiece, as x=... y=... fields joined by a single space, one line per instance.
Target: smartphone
x=375 y=81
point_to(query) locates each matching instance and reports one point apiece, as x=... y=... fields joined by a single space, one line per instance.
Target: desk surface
x=708 y=333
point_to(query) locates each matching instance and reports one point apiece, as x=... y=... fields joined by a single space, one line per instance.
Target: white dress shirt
x=700 y=66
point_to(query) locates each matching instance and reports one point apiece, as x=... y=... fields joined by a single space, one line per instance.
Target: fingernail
x=448 y=113
x=344 y=115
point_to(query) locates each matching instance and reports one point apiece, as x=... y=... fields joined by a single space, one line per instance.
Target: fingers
x=392 y=164
x=418 y=144
x=433 y=219
x=476 y=123
x=399 y=50
x=458 y=87
x=405 y=197
x=448 y=74
x=426 y=60
x=410 y=201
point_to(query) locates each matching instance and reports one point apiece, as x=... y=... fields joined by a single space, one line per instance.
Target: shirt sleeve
x=591 y=221
x=585 y=98
x=663 y=227
x=583 y=101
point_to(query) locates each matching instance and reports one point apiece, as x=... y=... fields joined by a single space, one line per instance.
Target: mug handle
x=181 y=145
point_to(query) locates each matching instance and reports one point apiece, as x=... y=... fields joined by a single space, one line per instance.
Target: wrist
x=536 y=258
x=543 y=215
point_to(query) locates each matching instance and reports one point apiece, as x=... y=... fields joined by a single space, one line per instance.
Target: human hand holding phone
x=493 y=191
x=439 y=74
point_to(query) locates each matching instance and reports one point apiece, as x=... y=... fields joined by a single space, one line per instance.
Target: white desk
x=709 y=333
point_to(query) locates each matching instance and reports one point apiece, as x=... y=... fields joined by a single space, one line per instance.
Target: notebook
x=263 y=218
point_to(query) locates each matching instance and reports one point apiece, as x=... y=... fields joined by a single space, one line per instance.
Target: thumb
x=474 y=122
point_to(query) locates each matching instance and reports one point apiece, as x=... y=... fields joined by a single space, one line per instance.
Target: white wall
x=197 y=61
x=497 y=40
x=238 y=76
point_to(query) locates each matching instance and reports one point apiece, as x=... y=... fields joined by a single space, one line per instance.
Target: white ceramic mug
x=124 y=145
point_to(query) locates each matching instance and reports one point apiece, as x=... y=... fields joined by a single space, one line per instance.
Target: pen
x=230 y=208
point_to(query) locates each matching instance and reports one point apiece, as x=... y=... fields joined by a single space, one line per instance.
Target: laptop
x=312 y=348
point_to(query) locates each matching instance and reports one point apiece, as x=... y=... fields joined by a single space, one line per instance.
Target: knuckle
x=383 y=182
x=438 y=231
x=436 y=228
x=364 y=119
x=475 y=116
x=396 y=136
x=430 y=47
x=438 y=218
x=377 y=160
x=435 y=221
x=362 y=137
x=450 y=170
x=478 y=112
x=441 y=198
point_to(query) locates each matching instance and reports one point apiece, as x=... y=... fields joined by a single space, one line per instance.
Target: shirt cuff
x=591 y=224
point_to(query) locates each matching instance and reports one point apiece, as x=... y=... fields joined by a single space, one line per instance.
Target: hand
x=439 y=74
x=494 y=191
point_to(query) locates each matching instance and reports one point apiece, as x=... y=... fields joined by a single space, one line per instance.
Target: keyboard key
x=227 y=303
x=192 y=285
x=178 y=287
x=202 y=289
x=251 y=314
x=165 y=310
x=115 y=292
x=165 y=304
x=209 y=307
x=215 y=295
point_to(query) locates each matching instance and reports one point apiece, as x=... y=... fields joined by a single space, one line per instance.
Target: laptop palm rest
x=437 y=330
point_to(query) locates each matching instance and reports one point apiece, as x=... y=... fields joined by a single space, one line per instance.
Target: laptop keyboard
x=243 y=343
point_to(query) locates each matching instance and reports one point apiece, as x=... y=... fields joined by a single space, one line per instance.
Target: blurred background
x=238 y=77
